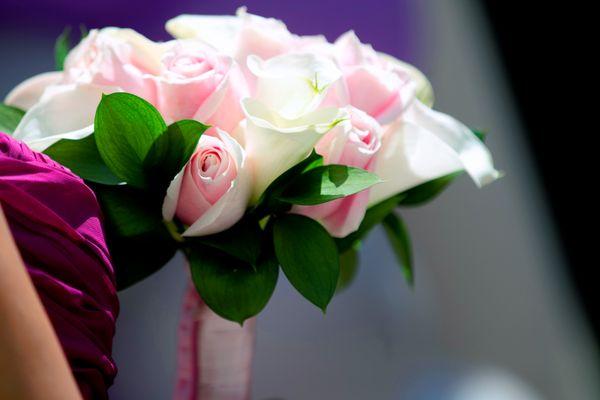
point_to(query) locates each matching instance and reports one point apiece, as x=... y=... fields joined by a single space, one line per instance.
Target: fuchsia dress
x=55 y=220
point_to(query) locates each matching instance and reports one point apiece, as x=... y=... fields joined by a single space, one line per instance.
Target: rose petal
x=425 y=145
x=218 y=31
x=473 y=154
x=232 y=205
x=274 y=143
x=307 y=76
x=64 y=112
x=423 y=88
x=27 y=93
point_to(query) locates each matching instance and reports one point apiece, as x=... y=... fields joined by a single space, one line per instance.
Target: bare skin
x=32 y=363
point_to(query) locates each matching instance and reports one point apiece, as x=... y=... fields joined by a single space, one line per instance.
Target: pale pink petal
x=27 y=93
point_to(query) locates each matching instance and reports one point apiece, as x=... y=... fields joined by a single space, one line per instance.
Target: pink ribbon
x=214 y=356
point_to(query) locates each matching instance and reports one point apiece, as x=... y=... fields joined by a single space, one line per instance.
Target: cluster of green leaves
x=235 y=271
x=316 y=264
x=129 y=161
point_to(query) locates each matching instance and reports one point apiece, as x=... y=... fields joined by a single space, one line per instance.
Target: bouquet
x=248 y=148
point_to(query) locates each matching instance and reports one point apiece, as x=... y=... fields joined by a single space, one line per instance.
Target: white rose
x=284 y=120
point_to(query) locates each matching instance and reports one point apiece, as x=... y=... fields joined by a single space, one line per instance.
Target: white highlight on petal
x=425 y=145
x=172 y=197
x=275 y=143
x=28 y=92
x=218 y=31
x=423 y=88
x=474 y=156
x=293 y=84
x=63 y=112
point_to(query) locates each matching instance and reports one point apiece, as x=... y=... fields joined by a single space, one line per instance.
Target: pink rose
x=117 y=58
x=212 y=191
x=354 y=143
x=377 y=86
x=199 y=83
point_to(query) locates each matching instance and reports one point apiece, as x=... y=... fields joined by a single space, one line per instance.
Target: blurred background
x=502 y=305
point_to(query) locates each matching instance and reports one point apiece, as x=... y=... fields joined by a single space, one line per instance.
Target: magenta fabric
x=55 y=220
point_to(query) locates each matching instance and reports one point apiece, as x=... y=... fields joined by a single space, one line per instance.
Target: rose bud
x=211 y=193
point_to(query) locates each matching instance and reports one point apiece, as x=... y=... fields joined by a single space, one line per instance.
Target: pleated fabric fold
x=56 y=223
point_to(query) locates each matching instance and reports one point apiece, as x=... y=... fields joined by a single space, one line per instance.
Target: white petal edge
x=308 y=76
x=274 y=143
x=63 y=112
x=408 y=157
x=473 y=154
x=218 y=31
x=423 y=88
x=28 y=93
x=320 y=120
x=172 y=197
x=426 y=145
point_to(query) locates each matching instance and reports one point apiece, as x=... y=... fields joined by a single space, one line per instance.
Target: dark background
x=546 y=53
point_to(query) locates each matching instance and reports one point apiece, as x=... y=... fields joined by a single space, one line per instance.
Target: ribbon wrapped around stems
x=214 y=355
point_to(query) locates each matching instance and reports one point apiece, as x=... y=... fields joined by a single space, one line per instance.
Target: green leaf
x=172 y=150
x=131 y=211
x=268 y=202
x=9 y=118
x=244 y=240
x=348 y=269
x=480 y=134
x=61 y=48
x=427 y=191
x=374 y=215
x=326 y=183
x=126 y=127
x=308 y=257
x=399 y=239
x=137 y=257
x=229 y=286
x=83 y=32
x=138 y=241
x=82 y=157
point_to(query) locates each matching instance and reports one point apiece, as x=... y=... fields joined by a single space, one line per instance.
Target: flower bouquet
x=248 y=148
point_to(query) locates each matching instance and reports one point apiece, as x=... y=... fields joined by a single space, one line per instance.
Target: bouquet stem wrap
x=214 y=355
